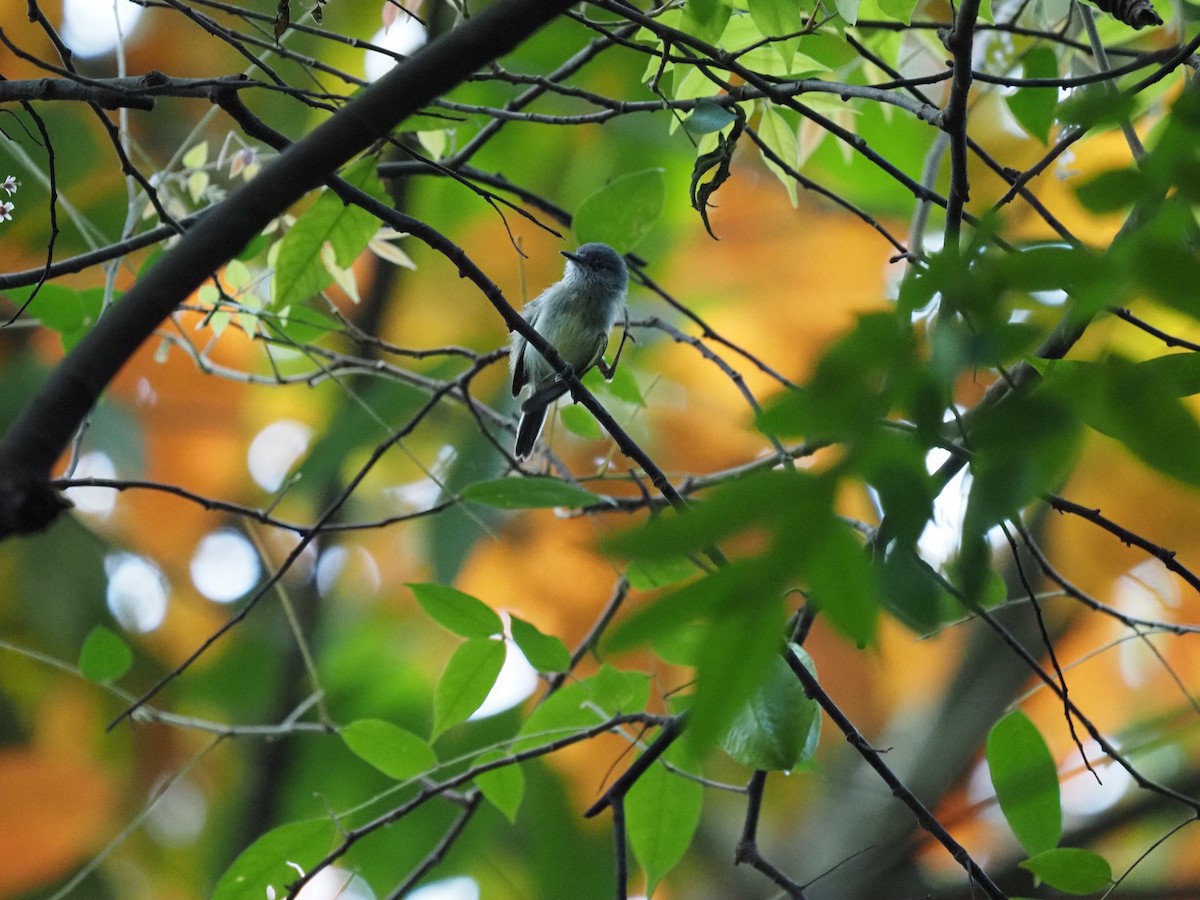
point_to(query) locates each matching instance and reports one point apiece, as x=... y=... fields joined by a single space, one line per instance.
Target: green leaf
x=842 y=582
x=303 y=325
x=731 y=508
x=393 y=751
x=616 y=691
x=69 y=312
x=545 y=653
x=1026 y=782
x=1034 y=107
x=894 y=466
x=104 y=656
x=567 y=710
x=265 y=863
x=780 y=138
x=777 y=18
x=778 y=727
x=529 y=493
x=898 y=10
x=62 y=308
x=423 y=122
x=1113 y=191
x=1163 y=267
x=810 y=542
x=848 y=10
x=707 y=117
x=582 y=704
x=1137 y=406
x=622 y=212
x=461 y=613
x=851 y=388
x=662 y=812
x=700 y=599
x=1071 y=870
x=299 y=271
x=734 y=656
x=1021 y=449
x=911 y=593
x=1180 y=372
x=465 y=684
x=624 y=387
x=581 y=423
x=649 y=574
x=1095 y=106
x=706 y=19
x=503 y=787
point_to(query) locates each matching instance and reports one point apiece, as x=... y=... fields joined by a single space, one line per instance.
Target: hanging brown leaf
x=718 y=159
x=1134 y=13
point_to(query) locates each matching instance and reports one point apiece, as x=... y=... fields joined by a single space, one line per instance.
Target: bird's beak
x=573 y=257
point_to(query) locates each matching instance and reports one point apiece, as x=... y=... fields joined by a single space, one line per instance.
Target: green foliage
x=662 y=812
x=104 y=656
x=545 y=653
x=778 y=727
x=777 y=19
x=1071 y=870
x=393 y=751
x=503 y=786
x=581 y=423
x=902 y=10
x=300 y=270
x=465 y=683
x=622 y=212
x=460 y=613
x=582 y=704
x=1026 y=782
x=739 y=606
x=708 y=117
x=912 y=594
x=69 y=312
x=706 y=18
x=781 y=152
x=853 y=387
x=807 y=543
x=271 y=859
x=1034 y=107
x=528 y=493
x=648 y=574
x=888 y=390
x=1021 y=449
x=1137 y=405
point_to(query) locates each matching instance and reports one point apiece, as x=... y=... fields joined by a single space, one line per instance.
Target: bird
x=574 y=315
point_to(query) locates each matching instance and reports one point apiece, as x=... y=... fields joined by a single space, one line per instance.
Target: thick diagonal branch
x=45 y=425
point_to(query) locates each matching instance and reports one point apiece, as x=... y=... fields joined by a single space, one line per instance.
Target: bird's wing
x=598 y=352
x=518 y=368
x=521 y=346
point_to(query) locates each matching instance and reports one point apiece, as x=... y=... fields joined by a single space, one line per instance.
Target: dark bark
x=43 y=429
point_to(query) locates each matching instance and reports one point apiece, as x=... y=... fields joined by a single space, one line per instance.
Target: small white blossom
x=10 y=185
x=6 y=209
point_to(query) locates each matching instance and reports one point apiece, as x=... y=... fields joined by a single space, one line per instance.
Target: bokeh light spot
x=90 y=28
x=275 y=450
x=137 y=592
x=224 y=566
x=405 y=36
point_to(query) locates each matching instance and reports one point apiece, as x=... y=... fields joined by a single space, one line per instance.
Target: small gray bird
x=575 y=315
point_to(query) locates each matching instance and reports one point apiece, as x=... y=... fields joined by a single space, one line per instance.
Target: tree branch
x=44 y=427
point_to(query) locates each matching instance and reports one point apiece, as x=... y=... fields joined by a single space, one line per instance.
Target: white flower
x=6 y=209
x=10 y=184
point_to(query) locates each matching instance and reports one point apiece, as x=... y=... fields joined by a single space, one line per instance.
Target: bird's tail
x=528 y=429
